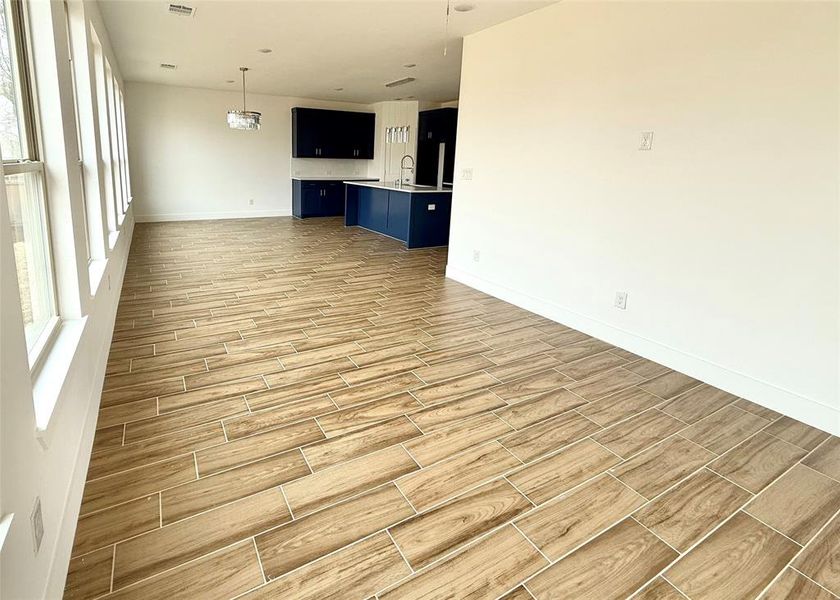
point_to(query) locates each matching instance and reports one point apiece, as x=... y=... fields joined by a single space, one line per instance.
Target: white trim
x=5 y=525
x=808 y=410
x=208 y=216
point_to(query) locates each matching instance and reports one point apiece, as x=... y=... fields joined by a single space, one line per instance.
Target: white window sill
x=112 y=239
x=96 y=268
x=50 y=378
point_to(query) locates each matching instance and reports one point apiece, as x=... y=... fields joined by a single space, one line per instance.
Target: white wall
x=187 y=164
x=725 y=235
x=49 y=459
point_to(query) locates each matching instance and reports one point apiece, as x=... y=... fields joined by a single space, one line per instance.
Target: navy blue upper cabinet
x=319 y=133
x=436 y=127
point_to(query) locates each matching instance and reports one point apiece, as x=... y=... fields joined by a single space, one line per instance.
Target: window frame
x=31 y=162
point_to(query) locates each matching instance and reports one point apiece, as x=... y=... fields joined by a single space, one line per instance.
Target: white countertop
x=334 y=178
x=410 y=189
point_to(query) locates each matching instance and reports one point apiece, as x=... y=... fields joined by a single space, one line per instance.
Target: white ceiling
x=317 y=45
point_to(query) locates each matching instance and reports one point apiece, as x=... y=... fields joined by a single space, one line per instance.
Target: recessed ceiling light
x=410 y=65
x=399 y=82
x=264 y=50
x=168 y=66
x=464 y=7
x=339 y=89
x=230 y=81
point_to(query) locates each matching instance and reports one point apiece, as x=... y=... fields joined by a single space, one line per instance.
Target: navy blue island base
x=420 y=219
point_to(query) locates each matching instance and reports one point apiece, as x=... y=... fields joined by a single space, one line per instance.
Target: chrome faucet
x=403 y=168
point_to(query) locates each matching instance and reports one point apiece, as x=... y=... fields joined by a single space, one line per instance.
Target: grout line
x=259 y=559
x=397 y=546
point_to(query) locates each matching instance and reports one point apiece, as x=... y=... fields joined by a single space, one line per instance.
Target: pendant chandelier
x=243 y=119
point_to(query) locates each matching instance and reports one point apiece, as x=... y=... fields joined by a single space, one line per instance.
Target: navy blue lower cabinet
x=418 y=219
x=324 y=198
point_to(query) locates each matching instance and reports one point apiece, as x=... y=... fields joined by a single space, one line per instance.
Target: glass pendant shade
x=243 y=119
x=248 y=120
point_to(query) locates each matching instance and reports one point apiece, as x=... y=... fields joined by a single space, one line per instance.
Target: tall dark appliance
x=436 y=146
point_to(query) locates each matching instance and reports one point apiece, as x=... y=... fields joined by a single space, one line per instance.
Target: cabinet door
x=311 y=199
x=399 y=205
x=373 y=209
x=332 y=203
x=304 y=133
x=362 y=133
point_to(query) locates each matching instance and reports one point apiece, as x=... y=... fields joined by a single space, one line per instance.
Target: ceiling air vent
x=168 y=66
x=182 y=10
x=398 y=82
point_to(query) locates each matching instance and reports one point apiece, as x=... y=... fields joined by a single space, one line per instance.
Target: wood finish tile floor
x=299 y=410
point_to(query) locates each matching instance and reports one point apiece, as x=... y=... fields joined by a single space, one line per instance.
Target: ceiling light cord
x=243 y=69
x=446 y=28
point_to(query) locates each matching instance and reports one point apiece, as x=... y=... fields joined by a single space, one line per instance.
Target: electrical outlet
x=621 y=300
x=647 y=141
x=37 y=522
x=251 y=202
x=466 y=174
x=476 y=255
x=431 y=206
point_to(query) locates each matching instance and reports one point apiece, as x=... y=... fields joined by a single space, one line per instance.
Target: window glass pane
x=11 y=135
x=32 y=252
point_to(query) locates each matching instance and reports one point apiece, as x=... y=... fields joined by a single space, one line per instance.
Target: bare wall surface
x=726 y=235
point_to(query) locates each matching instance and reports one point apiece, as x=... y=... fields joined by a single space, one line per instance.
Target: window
x=104 y=136
x=24 y=182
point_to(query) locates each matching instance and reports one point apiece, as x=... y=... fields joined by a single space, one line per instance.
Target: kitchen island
x=417 y=215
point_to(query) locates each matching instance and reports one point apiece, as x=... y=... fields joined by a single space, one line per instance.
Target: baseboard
x=807 y=410
x=211 y=216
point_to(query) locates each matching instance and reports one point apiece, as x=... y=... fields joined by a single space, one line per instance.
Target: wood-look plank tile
x=346 y=420
x=551 y=476
x=659 y=589
x=209 y=492
x=724 y=429
x=223 y=574
x=382 y=369
x=175 y=544
x=454 y=368
x=209 y=394
x=539 y=408
x=439 y=531
x=485 y=569
x=792 y=585
x=528 y=387
x=524 y=367
x=446 y=413
x=592 y=365
x=605 y=384
x=445 y=355
x=295 y=391
x=108 y=437
x=548 y=436
x=670 y=385
x=364 y=359
x=519 y=593
x=89 y=575
x=692 y=509
x=826 y=458
x=359 y=442
x=309 y=372
x=152 y=450
x=347 y=479
x=453 y=388
x=572 y=345
x=315 y=535
x=619 y=406
x=821 y=558
x=797 y=433
x=756 y=409
x=455 y=475
x=797 y=504
x=272 y=418
x=659 y=467
x=646 y=368
x=514 y=353
x=742 y=557
x=356 y=571
x=638 y=432
x=755 y=463
x=697 y=403
x=380 y=388
x=129 y=379
x=562 y=524
x=248 y=449
x=129 y=485
x=123 y=413
x=105 y=527
x=183 y=419
x=612 y=566
x=443 y=443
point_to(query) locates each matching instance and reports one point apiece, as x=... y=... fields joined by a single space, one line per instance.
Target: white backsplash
x=328 y=167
